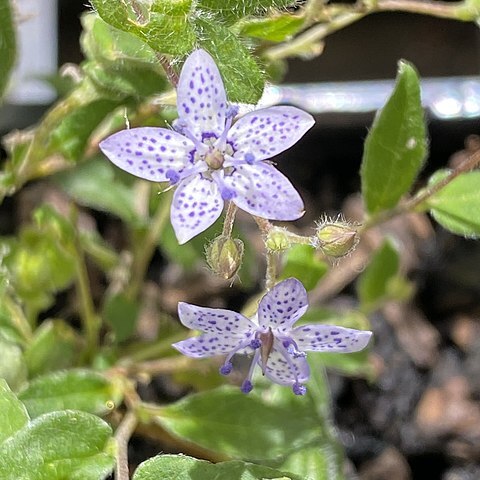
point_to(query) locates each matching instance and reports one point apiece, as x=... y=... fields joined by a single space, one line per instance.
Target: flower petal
x=329 y=338
x=214 y=320
x=266 y=132
x=148 y=152
x=283 y=305
x=206 y=345
x=197 y=203
x=201 y=100
x=260 y=189
x=280 y=371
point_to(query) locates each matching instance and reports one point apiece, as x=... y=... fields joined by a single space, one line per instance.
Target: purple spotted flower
x=277 y=347
x=211 y=159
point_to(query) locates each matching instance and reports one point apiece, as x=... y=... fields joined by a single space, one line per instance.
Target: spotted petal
x=329 y=338
x=206 y=345
x=260 y=189
x=265 y=133
x=201 y=99
x=148 y=152
x=283 y=305
x=278 y=370
x=214 y=320
x=197 y=203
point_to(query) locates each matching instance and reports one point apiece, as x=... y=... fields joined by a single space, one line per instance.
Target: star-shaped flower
x=209 y=159
x=277 y=347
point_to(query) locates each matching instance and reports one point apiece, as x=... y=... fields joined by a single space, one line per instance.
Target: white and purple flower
x=277 y=347
x=209 y=159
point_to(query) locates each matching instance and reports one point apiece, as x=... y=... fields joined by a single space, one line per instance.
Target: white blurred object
x=446 y=98
x=37 y=52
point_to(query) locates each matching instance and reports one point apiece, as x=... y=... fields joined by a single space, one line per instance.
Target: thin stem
x=172 y=75
x=148 y=244
x=229 y=219
x=271 y=273
x=162 y=366
x=122 y=436
x=90 y=320
x=300 y=239
x=410 y=205
x=263 y=224
x=436 y=9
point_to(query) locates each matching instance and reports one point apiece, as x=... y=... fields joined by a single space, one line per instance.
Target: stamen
x=226 y=368
x=173 y=176
x=288 y=359
x=222 y=140
x=247 y=384
x=232 y=111
x=299 y=389
x=255 y=343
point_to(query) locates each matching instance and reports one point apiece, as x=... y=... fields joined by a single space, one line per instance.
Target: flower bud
x=337 y=238
x=224 y=256
x=277 y=240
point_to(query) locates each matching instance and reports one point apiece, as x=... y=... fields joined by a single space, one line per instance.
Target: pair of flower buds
x=211 y=159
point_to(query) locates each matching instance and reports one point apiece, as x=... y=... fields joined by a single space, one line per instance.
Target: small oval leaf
x=396 y=146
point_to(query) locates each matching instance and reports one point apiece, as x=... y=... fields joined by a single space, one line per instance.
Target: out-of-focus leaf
x=220 y=420
x=456 y=206
x=12 y=364
x=301 y=263
x=14 y=415
x=7 y=43
x=181 y=467
x=275 y=29
x=53 y=347
x=84 y=390
x=314 y=463
x=94 y=184
x=121 y=313
x=231 y=10
x=244 y=81
x=396 y=146
x=164 y=25
x=14 y=326
x=119 y=62
x=56 y=446
x=373 y=284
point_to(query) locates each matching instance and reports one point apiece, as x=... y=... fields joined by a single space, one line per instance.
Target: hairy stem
x=171 y=74
x=122 y=436
x=229 y=219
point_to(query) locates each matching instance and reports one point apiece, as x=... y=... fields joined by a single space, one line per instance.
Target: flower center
x=214 y=159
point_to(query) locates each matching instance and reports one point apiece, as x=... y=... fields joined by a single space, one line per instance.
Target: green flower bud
x=337 y=238
x=224 y=256
x=277 y=240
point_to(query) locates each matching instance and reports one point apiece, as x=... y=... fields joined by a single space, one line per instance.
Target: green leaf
x=84 y=390
x=231 y=10
x=54 y=347
x=181 y=467
x=457 y=205
x=396 y=146
x=314 y=463
x=302 y=263
x=12 y=364
x=372 y=286
x=119 y=62
x=94 y=184
x=57 y=446
x=165 y=26
x=244 y=81
x=121 y=313
x=7 y=43
x=221 y=420
x=14 y=415
x=274 y=29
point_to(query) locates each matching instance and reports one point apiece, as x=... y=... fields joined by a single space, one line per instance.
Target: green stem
x=153 y=350
x=229 y=220
x=421 y=197
x=90 y=321
x=146 y=246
